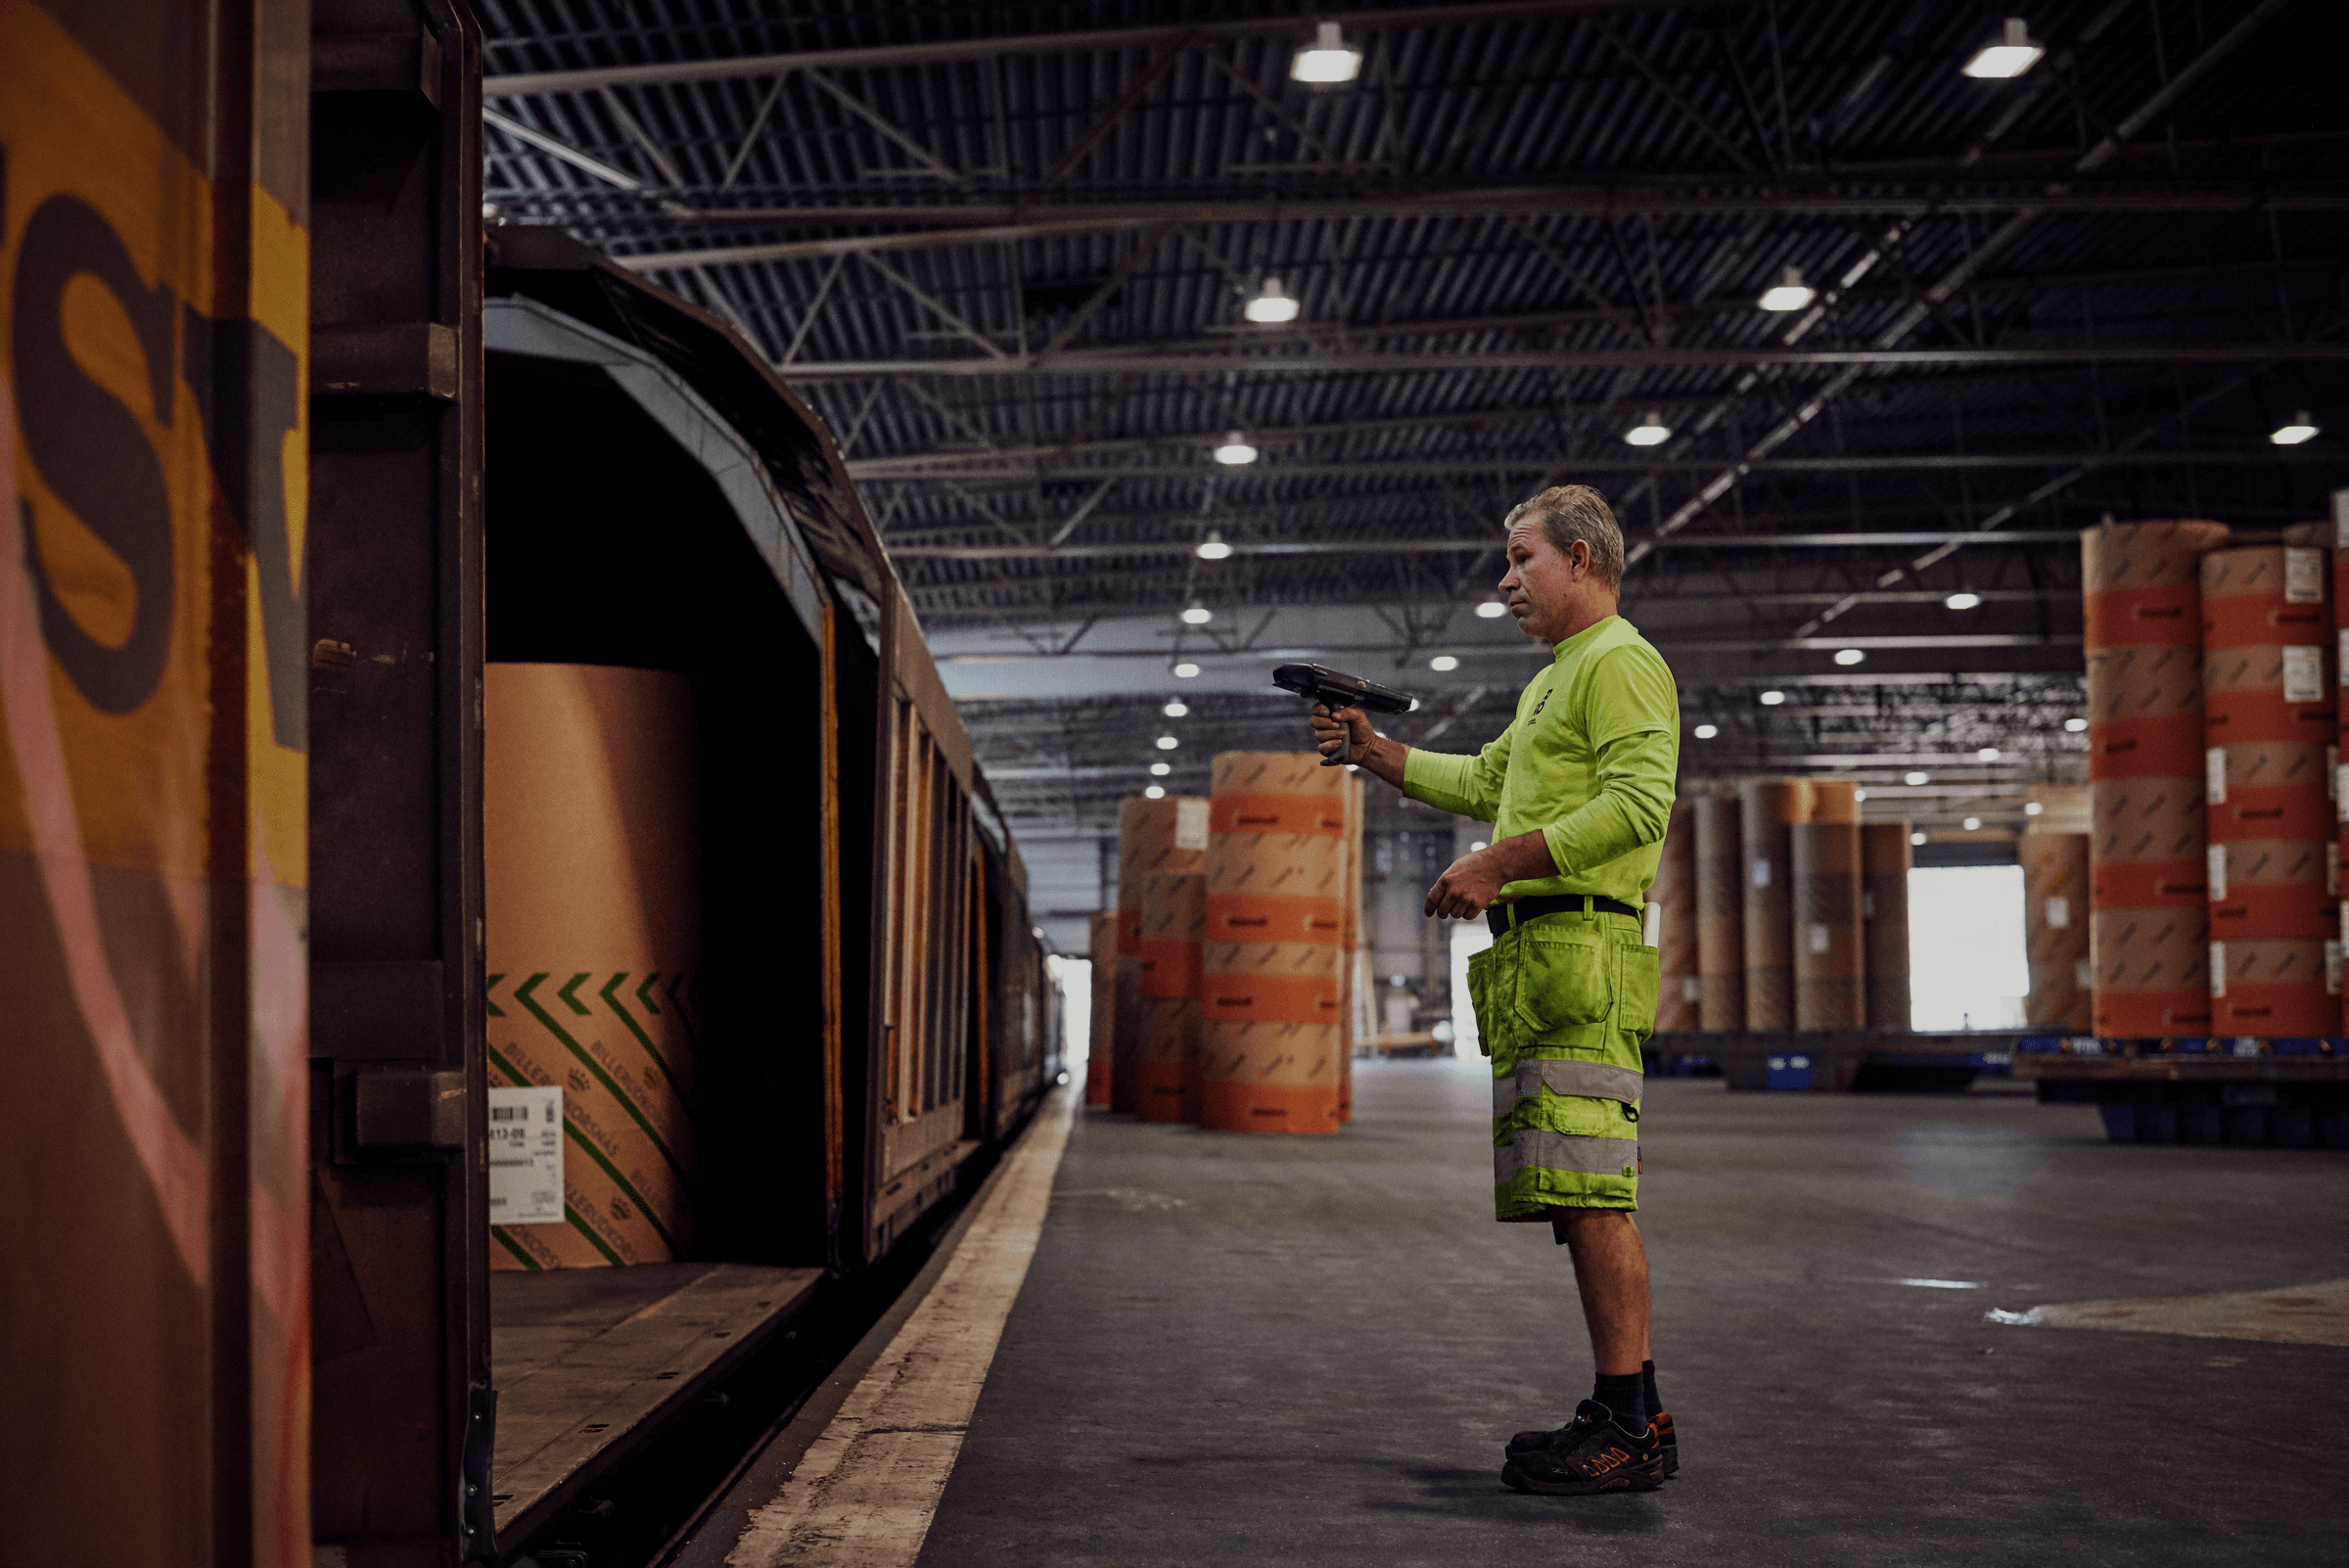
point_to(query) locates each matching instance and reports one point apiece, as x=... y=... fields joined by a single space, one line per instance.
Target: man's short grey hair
x=1571 y=511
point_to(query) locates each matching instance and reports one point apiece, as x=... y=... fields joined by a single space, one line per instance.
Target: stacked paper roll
x=1768 y=809
x=1830 y=940
x=1172 y=868
x=1884 y=861
x=2147 y=921
x=1720 y=875
x=1274 y=954
x=2055 y=929
x=2270 y=716
x=1350 y=971
x=1125 y=1028
x=1675 y=896
x=1104 y=954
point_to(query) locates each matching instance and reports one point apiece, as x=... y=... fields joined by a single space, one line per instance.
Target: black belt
x=1498 y=917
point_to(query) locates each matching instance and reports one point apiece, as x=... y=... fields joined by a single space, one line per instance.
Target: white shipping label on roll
x=525 y=1156
x=2084 y=975
x=2332 y=773
x=2218 y=969
x=2341 y=520
x=2303 y=675
x=2060 y=913
x=1761 y=873
x=2304 y=574
x=1191 y=824
x=2218 y=872
x=1692 y=989
x=2340 y=651
x=2214 y=765
x=1818 y=939
x=1651 y=923
x=2332 y=967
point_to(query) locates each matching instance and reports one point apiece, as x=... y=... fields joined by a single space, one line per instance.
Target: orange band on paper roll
x=1171 y=969
x=2167 y=885
x=2134 y=616
x=1267 y=1108
x=2271 y=1010
x=1129 y=932
x=2260 y=620
x=1162 y=1097
x=2275 y=912
x=2145 y=1014
x=1273 y=1000
x=2265 y=719
x=1277 y=813
x=2273 y=811
x=1272 y=917
x=2146 y=747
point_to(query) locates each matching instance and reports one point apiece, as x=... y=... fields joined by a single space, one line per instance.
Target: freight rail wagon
x=511 y=923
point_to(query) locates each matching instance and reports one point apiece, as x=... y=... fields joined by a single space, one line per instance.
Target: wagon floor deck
x=587 y=1362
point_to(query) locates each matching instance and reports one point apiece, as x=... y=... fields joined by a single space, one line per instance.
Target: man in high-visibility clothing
x=1579 y=790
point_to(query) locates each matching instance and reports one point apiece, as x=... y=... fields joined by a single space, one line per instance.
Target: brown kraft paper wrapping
x=589 y=866
x=2055 y=929
x=1885 y=856
x=1675 y=895
x=1829 y=985
x=1768 y=809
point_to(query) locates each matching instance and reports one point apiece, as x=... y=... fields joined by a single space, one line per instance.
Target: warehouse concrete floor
x=1236 y=1349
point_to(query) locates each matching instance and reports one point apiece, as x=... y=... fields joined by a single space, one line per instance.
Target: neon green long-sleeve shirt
x=1589 y=762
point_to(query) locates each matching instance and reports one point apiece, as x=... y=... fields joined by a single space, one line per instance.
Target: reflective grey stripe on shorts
x=1539 y=1146
x=1594 y=1081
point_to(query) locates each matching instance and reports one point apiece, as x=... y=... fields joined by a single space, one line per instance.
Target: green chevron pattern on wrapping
x=644 y=1040
x=577 y=1221
x=525 y=994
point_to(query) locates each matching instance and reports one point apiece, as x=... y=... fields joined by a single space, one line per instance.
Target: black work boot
x=1592 y=1453
x=1527 y=1442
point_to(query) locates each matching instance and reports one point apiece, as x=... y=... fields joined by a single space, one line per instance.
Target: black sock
x=1647 y=1380
x=1627 y=1397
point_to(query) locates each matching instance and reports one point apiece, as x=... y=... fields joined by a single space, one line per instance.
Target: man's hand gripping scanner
x=1318 y=683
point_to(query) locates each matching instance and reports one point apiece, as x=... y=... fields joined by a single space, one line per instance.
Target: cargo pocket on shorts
x=1563 y=981
x=1479 y=986
x=1642 y=980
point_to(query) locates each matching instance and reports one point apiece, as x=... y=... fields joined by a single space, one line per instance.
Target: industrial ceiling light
x=1850 y=656
x=2013 y=54
x=2075 y=725
x=1328 y=60
x=1649 y=432
x=1859 y=794
x=1186 y=670
x=1963 y=599
x=1213 y=547
x=1271 y=304
x=1154 y=793
x=1196 y=614
x=2032 y=809
x=1789 y=293
x=1167 y=743
x=1161 y=770
x=1771 y=698
x=1175 y=708
x=1974 y=823
x=1988 y=753
x=1234 y=452
x=1492 y=610
x=2299 y=429
x=1913 y=778
x=1916 y=838
x=1707 y=731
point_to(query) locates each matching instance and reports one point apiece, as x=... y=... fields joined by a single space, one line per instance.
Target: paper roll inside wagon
x=1274 y=998
x=1885 y=856
x=1675 y=896
x=2055 y=929
x=2142 y=595
x=1721 y=874
x=1829 y=947
x=590 y=846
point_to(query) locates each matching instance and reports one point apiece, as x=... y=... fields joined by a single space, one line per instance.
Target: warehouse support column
x=1884 y=859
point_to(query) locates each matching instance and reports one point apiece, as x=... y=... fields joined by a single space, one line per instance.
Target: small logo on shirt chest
x=1547 y=694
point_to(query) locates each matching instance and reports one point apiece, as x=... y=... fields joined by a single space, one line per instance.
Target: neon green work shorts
x=1563 y=1004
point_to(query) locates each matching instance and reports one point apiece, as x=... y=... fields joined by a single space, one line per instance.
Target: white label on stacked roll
x=2303 y=675
x=2332 y=968
x=2214 y=765
x=2218 y=872
x=2341 y=654
x=2332 y=773
x=1692 y=989
x=2218 y=969
x=1651 y=923
x=2060 y=913
x=2340 y=788
x=1191 y=824
x=2084 y=975
x=2304 y=574
x=2341 y=520
x=525 y=1156
x=1818 y=937
x=2332 y=868
x=1761 y=873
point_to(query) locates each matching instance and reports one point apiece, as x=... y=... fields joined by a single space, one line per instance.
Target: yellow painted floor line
x=864 y=1492
x=2299 y=1315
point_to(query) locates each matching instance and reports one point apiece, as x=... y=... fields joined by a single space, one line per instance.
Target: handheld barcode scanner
x=1318 y=683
